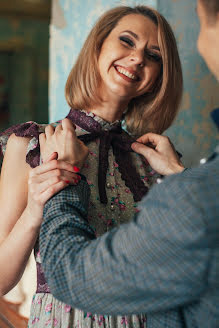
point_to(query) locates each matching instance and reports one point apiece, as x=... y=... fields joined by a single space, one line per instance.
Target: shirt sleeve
x=154 y=263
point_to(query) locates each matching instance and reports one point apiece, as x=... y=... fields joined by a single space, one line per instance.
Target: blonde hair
x=154 y=111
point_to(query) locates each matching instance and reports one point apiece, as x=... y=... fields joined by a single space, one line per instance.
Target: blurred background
x=39 y=43
x=24 y=62
x=24 y=44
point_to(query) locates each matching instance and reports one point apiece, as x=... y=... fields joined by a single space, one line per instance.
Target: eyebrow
x=137 y=38
x=132 y=33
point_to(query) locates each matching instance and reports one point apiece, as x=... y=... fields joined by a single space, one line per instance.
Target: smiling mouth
x=126 y=74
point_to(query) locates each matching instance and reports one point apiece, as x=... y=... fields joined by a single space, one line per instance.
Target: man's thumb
x=142 y=149
x=52 y=156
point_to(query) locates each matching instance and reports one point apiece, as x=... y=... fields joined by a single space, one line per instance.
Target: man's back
x=202 y=188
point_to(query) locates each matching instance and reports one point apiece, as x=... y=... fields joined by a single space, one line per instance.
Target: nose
x=138 y=57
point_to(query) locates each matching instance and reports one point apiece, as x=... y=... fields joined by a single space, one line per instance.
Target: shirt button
x=203 y=160
x=108 y=185
x=112 y=207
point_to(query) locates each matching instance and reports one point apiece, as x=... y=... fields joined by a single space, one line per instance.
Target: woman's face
x=130 y=59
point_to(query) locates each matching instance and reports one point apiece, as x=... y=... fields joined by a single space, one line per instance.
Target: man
x=166 y=261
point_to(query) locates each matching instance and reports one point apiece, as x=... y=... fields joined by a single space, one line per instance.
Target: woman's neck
x=109 y=111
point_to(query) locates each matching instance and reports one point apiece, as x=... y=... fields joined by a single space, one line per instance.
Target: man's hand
x=64 y=141
x=161 y=155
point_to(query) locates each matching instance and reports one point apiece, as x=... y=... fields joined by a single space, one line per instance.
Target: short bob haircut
x=151 y=112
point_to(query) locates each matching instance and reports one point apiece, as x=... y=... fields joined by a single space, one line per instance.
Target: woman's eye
x=153 y=56
x=127 y=41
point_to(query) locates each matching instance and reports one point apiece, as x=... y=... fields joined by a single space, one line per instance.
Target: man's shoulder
x=196 y=187
x=207 y=171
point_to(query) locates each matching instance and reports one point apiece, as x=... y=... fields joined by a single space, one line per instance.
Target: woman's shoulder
x=18 y=143
x=16 y=149
x=18 y=135
x=23 y=137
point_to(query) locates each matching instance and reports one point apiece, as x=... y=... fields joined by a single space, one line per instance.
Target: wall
x=193 y=132
x=26 y=40
x=4 y=86
x=24 y=76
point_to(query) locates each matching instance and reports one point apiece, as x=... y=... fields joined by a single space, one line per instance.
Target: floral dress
x=46 y=310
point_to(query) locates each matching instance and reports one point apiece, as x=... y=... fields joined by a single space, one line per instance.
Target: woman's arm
x=21 y=209
x=17 y=234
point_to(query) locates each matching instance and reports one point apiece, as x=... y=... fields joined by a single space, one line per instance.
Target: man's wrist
x=178 y=168
x=83 y=177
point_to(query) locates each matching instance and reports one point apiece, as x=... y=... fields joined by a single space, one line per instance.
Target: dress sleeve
x=31 y=130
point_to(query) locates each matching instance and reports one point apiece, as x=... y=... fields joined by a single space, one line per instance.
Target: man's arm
x=156 y=262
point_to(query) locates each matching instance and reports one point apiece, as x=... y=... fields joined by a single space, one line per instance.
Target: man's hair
x=151 y=112
x=211 y=7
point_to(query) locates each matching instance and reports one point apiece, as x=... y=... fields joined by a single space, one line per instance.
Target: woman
x=128 y=73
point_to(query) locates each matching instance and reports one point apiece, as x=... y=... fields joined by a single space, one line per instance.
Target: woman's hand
x=45 y=181
x=161 y=156
x=64 y=141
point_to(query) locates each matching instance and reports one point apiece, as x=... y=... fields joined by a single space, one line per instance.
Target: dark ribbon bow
x=121 y=145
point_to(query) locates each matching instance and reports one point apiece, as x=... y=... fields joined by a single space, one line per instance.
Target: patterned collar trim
x=104 y=124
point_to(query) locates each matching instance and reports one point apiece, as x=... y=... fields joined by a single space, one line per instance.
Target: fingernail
x=67 y=181
x=76 y=169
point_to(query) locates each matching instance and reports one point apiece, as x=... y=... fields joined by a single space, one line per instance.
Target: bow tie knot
x=120 y=142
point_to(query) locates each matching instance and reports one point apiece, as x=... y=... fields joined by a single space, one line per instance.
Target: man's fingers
x=150 y=138
x=142 y=149
x=69 y=128
x=49 y=130
x=42 y=139
x=58 y=128
x=53 y=156
x=67 y=124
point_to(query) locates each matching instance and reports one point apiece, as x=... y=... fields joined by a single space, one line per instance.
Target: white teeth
x=126 y=73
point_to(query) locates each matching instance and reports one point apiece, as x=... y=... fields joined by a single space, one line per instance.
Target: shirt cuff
x=83 y=177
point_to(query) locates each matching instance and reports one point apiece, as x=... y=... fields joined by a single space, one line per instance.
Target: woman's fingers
x=51 y=191
x=40 y=183
x=60 y=174
x=39 y=198
x=52 y=165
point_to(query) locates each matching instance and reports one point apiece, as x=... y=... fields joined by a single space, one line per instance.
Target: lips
x=127 y=74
